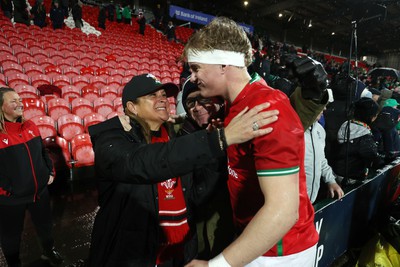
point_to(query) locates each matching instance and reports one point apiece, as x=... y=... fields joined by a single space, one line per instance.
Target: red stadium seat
x=101 y=71
x=114 y=80
x=71 y=71
x=80 y=81
x=46 y=125
x=21 y=51
x=58 y=149
x=82 y=150
x=87 y=70
x=90 y=92
x=25 y=61
x=33 y=107
x=81 y=107
x=63 y=63
x=113 y=114
x=17 y=78
x=118 y=105
x=49 y=89
x=92 y=119
x=2 y=78
x=117 y=72
x=57 y=107
x=44 y=61
x=32 y=69
x=40 y=79
x=103 y=106
x=52 y=70
x=98 y=81
x=69 y=125
x=69 y=92
x=125 y=80
x=11 y=67
x=109 y=91
x=6 y=49
x=61 y=80
x=26 y=91
x=166 y=80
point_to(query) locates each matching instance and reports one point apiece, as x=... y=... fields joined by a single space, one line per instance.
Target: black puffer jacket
x=362 y=151
x=126 y=230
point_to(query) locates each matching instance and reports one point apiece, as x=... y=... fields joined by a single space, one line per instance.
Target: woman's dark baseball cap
x=145 y=84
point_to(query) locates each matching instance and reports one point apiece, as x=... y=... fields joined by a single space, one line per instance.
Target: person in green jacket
x=118 y=12
x=126 y=14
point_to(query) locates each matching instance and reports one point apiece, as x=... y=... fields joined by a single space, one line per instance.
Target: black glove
x=310 y=74
x=284 y=85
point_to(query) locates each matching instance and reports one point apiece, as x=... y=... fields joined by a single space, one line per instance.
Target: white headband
x=220 y=57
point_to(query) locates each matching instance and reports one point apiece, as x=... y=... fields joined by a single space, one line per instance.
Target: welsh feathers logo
x=153 y=77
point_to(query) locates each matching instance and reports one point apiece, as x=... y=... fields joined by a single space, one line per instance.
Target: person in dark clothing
x=127 y=14
x=77 y=14
x=7 y=8
x=21 y=13
x=111 y=11
x=143 y=179
x=157 y=12
x=39 y=14
x=170 y=31
x=214 y=217
x=57 y=15
x=118 y=13
x=356 y=144
x=102 y=17
x=25 y=172
x=142 y=23
x=385 y=131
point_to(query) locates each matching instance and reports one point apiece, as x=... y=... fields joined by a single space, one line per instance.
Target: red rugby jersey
x=278 y=153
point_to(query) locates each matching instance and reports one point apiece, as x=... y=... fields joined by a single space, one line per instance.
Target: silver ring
x=255 y=126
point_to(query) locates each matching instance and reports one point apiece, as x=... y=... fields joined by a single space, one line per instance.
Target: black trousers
x=12 y=222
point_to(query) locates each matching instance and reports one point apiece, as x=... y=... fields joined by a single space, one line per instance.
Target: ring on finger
x=255 y=126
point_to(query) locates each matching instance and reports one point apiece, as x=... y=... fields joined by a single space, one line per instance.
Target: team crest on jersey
x=169 y=188
x=5 y=141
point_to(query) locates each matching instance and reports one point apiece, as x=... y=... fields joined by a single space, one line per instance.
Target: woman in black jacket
x=25 y=172
x=145 y=195
x=356 y=150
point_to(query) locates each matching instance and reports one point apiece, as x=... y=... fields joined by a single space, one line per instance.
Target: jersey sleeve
x=282 y=151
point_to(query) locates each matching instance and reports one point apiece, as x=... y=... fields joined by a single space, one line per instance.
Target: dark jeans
x=12 y=222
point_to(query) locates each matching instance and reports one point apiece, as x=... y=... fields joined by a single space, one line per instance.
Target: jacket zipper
x=313 y=164
x=33 y=172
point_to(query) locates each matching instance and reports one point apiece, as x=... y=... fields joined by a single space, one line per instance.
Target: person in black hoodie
x=57 y=15
x=102 y=17
x=25 y=172
x=146 y=194
x=142 y=23
x=39 y=14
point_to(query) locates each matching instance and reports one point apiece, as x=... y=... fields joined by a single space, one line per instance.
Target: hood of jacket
x=356 y=131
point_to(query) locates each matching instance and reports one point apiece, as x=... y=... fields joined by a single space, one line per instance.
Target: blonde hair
x=3 y=90
x=223 y=34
